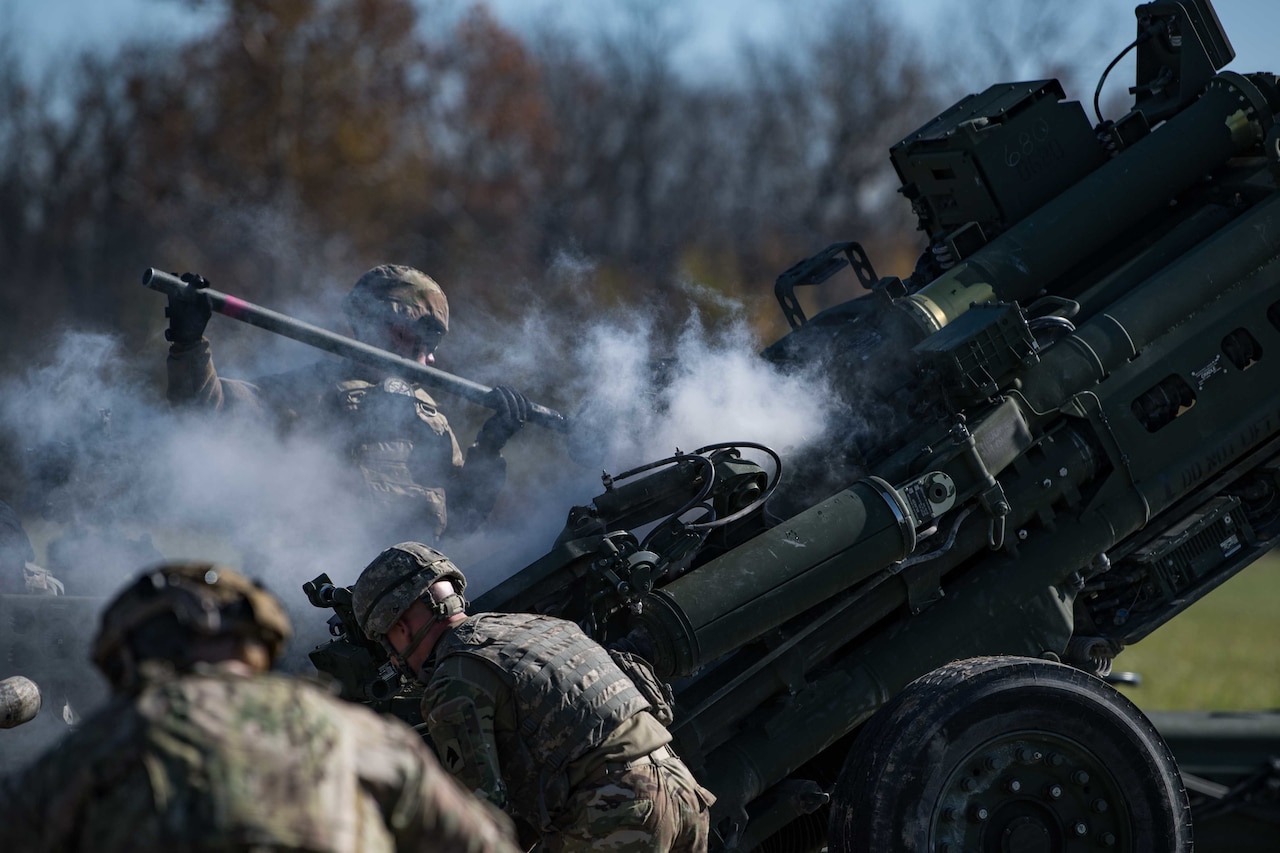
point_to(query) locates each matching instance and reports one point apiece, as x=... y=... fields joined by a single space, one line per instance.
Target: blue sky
x=49 y=28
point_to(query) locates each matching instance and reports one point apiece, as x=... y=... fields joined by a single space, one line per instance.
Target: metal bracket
x=992 y=499
x=995 y=503
x=816 y=270
x=924 y=585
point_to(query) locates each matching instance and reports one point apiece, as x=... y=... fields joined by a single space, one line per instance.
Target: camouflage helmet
x=397 y=578
x=411 y=293
x=205 y=599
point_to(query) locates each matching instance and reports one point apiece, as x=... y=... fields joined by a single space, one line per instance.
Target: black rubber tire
x=1009 y=754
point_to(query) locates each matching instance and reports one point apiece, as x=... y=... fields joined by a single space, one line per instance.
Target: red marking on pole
x=234 y=308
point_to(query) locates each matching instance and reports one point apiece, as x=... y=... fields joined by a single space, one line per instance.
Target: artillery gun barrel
x=1230 y=116
x=281 y=324
x=775 y=576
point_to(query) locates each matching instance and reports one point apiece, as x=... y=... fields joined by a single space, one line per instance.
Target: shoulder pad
x=354 y=384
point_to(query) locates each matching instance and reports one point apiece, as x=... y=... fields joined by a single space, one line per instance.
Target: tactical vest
x=385 y=422
x=569 y=697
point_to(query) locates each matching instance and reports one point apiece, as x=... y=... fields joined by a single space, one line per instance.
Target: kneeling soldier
x=530 y=712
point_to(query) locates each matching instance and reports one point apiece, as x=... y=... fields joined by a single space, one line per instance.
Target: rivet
x=969 y=783
x=1100 y=805
x=1080 y=777
x=1108 y=839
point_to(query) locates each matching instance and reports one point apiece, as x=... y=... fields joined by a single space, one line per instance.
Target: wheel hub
x=1030 y=792
x=1025 y=835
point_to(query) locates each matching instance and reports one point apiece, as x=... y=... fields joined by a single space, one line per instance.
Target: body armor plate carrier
x=569 y=693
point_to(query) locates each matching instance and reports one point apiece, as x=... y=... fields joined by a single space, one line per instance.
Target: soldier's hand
x=188 y=315
x=510 y=411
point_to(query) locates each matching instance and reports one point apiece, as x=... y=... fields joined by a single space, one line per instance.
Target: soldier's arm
x=460 y=719
x=431 y=812
x=457 y=821
x=193 y=381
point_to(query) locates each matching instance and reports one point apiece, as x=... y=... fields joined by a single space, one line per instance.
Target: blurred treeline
x=297 y=142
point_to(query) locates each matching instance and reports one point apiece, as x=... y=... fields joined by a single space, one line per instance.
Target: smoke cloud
x=112 y=467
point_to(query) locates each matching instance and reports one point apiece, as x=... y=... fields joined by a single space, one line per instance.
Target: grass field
x=1222 y=653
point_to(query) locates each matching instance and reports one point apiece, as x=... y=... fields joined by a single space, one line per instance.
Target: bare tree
x=991 y=41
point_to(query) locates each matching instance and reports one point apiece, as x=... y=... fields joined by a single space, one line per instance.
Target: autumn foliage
x=295 y=143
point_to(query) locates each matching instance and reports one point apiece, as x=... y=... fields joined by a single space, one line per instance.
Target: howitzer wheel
x=1009 y=755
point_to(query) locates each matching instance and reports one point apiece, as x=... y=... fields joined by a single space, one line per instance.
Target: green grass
x=1222 y=653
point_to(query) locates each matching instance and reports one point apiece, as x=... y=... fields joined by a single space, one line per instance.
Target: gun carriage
x=1084 y=372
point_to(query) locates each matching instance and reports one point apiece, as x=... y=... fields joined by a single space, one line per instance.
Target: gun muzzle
x=19 y=701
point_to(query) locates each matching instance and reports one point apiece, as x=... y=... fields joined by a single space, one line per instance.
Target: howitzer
x=281 y=324
x=1085 y=371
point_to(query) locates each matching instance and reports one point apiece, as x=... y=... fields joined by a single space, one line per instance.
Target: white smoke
x=284 y=507
x=634 y=392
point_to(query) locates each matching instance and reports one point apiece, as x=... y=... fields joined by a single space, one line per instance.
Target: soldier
x=391 y=429
x=531 y=713
x=202 y=749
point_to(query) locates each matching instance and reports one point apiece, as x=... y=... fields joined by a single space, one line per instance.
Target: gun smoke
x=109 y=462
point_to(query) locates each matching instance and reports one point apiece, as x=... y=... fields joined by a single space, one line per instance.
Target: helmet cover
x=410 y=293
x=207 y=599
x=397 y=578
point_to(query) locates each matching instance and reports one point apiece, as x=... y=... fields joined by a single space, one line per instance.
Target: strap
x=395 y=584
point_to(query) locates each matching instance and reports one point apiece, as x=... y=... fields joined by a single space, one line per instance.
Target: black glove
x=511 y=410
x=188 y=315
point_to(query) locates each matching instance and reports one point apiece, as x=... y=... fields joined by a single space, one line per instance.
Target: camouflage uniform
x=393 y=432
x=534 y=715
x=218 y=761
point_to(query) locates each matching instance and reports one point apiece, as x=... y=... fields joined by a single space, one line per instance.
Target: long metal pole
x=281 y=324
